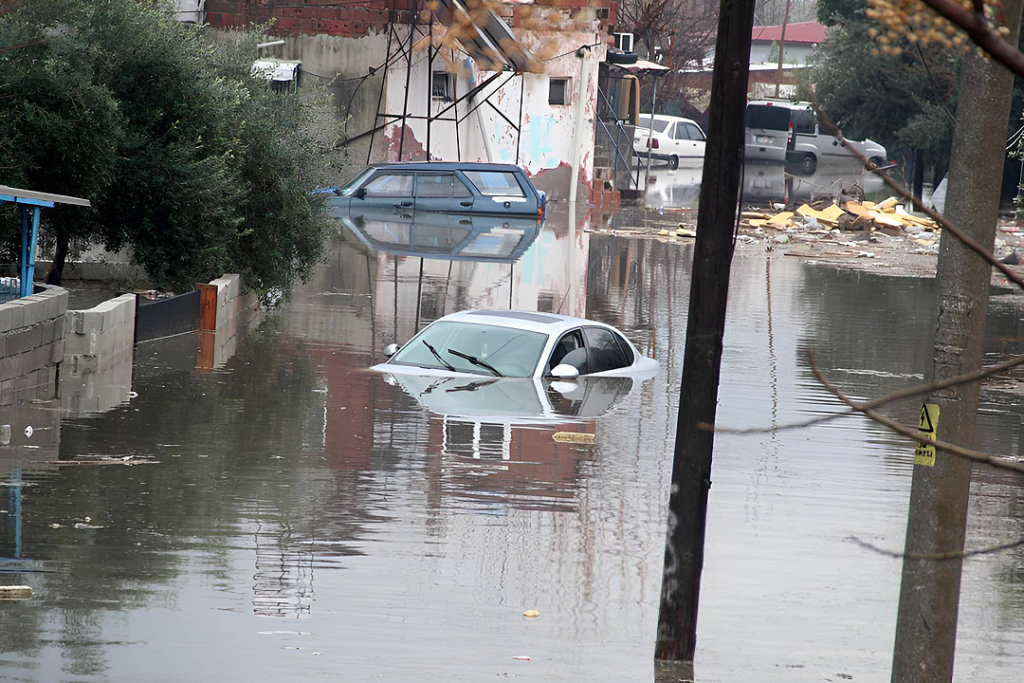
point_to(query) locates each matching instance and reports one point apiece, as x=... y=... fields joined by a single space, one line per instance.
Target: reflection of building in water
x=29 y=440
x=283 y=572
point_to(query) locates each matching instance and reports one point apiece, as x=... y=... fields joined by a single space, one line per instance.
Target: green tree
x=191 y=161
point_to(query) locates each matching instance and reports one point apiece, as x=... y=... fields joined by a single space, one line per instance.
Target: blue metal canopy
x=35 y=200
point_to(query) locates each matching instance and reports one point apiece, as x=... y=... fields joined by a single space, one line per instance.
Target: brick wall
x=98 y=352
x=328 y=17
x=32 y=345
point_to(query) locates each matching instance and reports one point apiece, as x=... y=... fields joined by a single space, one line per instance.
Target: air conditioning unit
x=624 y=41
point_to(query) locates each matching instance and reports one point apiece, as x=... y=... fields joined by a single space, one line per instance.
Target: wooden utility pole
x=937 y=521
x=702 y=356
x=782 y=49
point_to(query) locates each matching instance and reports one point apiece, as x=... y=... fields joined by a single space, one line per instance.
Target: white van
x=788 y=132
x=674 y=139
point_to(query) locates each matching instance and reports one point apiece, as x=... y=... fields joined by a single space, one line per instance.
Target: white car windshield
x=478 y=349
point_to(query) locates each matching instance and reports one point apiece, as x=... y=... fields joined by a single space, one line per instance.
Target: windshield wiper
x=445 y=363
x=476 y=361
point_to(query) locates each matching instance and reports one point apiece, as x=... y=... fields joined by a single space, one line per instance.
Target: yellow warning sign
x=928 y=426
x=573 y=437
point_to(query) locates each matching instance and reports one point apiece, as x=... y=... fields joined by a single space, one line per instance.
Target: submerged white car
x=516 y=344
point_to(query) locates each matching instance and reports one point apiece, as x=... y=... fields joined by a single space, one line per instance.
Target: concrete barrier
x=32 y=345
x=98 y=353
x=224 y=311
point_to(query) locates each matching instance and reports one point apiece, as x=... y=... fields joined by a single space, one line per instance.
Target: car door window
x=460 y=191
x=627 y=352
x=681 y=133
x=570 y=341
x=496 y=183
x=695 y=132
x=604 y=352
x=803 y=122
x=390 y=185
x=434 y=186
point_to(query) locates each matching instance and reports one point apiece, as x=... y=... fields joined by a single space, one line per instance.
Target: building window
x=559 y=92
x=441 y=86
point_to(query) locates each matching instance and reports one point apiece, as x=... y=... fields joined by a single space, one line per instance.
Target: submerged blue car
x=450 y=187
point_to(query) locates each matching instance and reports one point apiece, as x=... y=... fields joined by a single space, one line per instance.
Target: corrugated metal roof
x=18 y=193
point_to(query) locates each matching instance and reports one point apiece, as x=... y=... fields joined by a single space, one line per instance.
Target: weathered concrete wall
x=127 y=275
x=340 y=62
x=98 y=353
x=32 y=345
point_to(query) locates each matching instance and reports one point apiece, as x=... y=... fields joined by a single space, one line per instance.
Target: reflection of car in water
x=788 y=131
x=516 y=344
x=673 y=188
x=767 y=182
x=456 y=237
x=462 y=187
x=515 y=400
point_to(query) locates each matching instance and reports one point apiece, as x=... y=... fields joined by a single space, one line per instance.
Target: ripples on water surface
x=308 y=519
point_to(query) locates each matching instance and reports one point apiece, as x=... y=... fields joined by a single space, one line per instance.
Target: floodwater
x=303 y=518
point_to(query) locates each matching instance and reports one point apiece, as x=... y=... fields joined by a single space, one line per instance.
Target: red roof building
x=806 y=32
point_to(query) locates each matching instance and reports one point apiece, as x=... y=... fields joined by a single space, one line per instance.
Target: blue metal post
x=24 y=246
x=30 y=276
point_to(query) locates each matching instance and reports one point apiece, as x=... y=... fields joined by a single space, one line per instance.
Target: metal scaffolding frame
x=383 y=119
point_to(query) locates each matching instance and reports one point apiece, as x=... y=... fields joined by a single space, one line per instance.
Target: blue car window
x=390 y=185
x=460 y=191
x=434 y=185
x=496 y=183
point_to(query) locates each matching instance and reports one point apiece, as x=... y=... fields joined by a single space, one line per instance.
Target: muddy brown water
x=308 y=519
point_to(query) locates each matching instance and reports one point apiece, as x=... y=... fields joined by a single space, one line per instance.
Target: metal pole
x=782 y=50
x=519 y=131
x=650 y=131
x=455 y=97
x=577 y=134
x=408 y=74
x=937 y=519
x=430 y=78
x=705 y=326
x=33 y=242
x=24 y=251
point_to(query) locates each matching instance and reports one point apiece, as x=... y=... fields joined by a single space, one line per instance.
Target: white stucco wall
x=796 y=53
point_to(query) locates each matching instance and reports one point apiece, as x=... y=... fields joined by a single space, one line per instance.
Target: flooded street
x=303 y=517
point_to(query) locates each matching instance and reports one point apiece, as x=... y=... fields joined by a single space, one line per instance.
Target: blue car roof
x=447 y=166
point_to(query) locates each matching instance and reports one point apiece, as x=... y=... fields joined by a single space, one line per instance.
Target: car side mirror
x=390 y=350
x=565 y=371
x=360 y=193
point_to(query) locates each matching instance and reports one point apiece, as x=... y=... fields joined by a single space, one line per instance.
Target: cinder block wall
x=100 y=336
x=234 y=308
x=32 y=345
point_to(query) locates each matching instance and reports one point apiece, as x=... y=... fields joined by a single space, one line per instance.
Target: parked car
x=783 y=131
x=452 y=187
x=516 y=344
x=674 y=139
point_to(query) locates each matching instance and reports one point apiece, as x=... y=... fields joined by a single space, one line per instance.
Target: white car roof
x=781 y=104
x=532 y=321
x=665 y=117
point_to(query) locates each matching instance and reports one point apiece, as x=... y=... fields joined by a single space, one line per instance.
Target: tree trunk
x=60 y=254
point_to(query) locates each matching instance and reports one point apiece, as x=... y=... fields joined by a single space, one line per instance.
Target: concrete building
x=412 y=83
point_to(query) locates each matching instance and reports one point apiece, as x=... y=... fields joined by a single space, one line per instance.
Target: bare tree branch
x=979 y=30
x=1002 y=462
x=970 y=242
x=909 y=392
x=950 y=555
